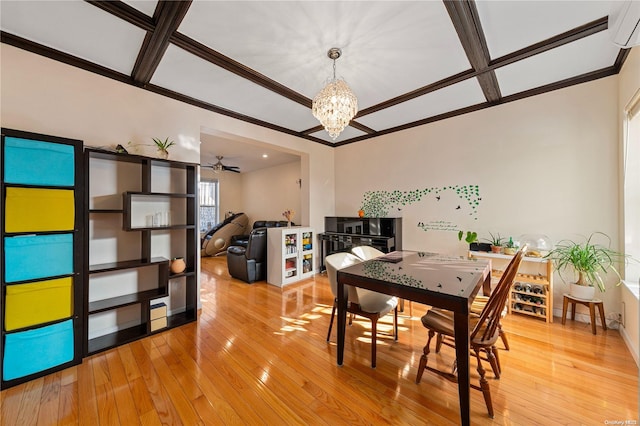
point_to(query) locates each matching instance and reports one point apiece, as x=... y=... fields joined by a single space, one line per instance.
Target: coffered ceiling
x=409 y=63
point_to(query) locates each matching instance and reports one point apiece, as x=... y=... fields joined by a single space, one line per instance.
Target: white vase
x=582 y=292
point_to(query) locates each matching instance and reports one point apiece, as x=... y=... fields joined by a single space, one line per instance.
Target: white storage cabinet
x=290 y=255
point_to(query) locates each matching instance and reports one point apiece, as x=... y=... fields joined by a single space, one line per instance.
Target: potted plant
x=163 y=146
x=470 y=237
x=589 y=260
x=510 y=247
x=496 y=242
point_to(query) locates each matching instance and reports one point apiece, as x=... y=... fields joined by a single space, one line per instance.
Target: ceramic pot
x=496 y=249
x=582 y=291
x=510 y=250
x=178 y=265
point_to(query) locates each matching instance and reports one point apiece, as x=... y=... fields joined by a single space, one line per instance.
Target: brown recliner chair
x=249 y=263
x=218 y=238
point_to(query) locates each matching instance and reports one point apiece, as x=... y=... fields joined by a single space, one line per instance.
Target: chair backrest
x=335 y=262
x=366 y=252
x=257 y=246
x=487 y=327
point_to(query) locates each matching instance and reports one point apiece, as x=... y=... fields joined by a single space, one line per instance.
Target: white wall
x=546 y=164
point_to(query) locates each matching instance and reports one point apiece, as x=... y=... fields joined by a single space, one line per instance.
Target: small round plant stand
x=591 y=304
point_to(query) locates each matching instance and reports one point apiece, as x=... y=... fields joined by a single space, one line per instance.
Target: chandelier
x=335 y=105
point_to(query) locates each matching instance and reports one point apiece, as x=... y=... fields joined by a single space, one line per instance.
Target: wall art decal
x=449 y=201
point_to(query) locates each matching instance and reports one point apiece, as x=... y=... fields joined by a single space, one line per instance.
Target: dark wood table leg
x=486 y=285
x=592 y=313
x=461 y=329
x=602 y=320
x=342 y=319
x=565 y=303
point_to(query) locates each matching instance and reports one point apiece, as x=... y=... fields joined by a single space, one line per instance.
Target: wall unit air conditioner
x=624 y=23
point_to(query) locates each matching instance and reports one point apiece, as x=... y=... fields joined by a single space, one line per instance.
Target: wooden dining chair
x=361 y=302
x=477 y=306
x=484 y=334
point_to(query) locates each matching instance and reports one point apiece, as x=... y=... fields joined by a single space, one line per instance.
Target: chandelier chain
x=334 y=69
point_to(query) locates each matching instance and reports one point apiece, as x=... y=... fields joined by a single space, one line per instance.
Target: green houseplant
x=163 y=146
x=510 y=247
x=496 y=242
x=471 y=237
x=589 y=260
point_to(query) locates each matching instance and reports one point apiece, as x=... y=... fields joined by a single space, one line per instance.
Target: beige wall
x=266 y=193
x=546 y=164
x=629 y=84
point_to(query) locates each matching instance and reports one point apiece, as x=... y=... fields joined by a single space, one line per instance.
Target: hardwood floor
x=258 y=355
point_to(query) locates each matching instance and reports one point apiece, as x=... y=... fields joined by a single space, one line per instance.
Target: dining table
x=433 y=279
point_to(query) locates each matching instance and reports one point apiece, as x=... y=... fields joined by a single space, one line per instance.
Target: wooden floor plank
x=163 y=406
x=68 y=414
x=30 y=403
x=121 y=391
x=50 y=399
x=10 y=403
x=258 y=355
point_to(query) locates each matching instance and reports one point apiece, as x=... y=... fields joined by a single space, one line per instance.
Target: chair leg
x=495 y=353
x=484 y=384
x=333 y=314
x=494 y=363
x=439 y=340
x=423 y=358
x=395 y=324
x=374 y=338
x=503 y=336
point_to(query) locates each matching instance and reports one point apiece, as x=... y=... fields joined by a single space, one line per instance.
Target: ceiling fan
x=219 y=167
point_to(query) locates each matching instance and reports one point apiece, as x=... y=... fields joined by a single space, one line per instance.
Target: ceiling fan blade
x=234 y=169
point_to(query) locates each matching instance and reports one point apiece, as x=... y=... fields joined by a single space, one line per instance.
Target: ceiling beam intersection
x=167 y=17
x=465 y=19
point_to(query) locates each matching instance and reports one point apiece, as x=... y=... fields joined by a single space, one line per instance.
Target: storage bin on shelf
x=31 y=162
x=36 y=303
x=25 y=257
x=38 y=210
x=32 y=351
